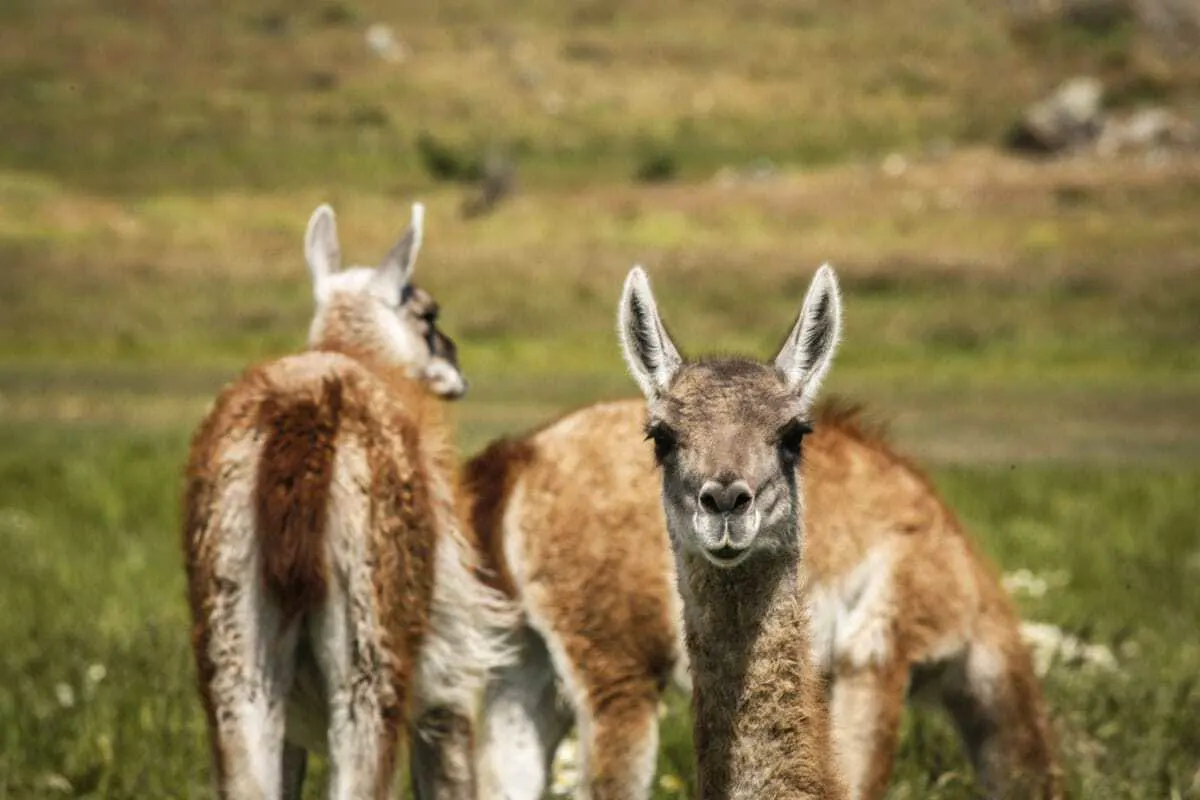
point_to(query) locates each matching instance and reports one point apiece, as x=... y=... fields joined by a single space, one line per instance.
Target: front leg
x=443 y=756
x=865 y=707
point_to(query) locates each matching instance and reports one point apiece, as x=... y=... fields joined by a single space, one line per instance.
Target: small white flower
x=65 y=695
x=670 y=783
x=57 y=783
x=1028 y=583
x=16 y=520
x=96 y=673
x=1046 y=641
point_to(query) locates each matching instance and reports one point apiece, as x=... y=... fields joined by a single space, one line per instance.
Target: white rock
x=383 y=43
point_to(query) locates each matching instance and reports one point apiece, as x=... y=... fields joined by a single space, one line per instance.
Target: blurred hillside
x=141 y=95
x=160 y=159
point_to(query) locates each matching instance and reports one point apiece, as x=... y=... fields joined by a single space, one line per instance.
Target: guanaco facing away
x=901 y=603
x=333 y=590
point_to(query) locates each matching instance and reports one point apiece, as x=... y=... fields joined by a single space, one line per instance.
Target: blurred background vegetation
x=1028 y=322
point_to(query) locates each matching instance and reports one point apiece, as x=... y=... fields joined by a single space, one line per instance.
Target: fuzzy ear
x=396 y=270
x=651 y=355
x=808 y=350
x=321 y=248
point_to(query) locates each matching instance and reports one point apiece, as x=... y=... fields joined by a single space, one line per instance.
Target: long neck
x=759 y=717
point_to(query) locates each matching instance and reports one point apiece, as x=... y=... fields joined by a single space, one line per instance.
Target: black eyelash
x=665 y=440
x=791 y=439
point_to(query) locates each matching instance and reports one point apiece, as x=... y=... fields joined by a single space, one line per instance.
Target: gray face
x=727 y=434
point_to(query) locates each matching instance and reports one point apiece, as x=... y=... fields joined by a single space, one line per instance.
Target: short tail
x=295 y=472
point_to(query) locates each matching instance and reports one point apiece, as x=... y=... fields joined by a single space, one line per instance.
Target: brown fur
x=592 y=568
x=292 y=495
x=590 y=532
x=198 y=502
x=487 y=480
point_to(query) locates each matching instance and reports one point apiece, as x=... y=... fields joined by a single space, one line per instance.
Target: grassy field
x=1031 y=329
x=96 y=687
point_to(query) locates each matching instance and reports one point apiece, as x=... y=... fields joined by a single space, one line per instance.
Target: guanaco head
x=377 y=312
x=728 y=432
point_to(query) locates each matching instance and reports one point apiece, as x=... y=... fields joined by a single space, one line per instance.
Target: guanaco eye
x=791 y=439
x=665 y=440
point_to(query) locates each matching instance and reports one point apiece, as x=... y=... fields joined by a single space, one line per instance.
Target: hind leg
x=865 y=708
x=365 y=714
x=524 y=721
x=251 y=652
x=997 y=706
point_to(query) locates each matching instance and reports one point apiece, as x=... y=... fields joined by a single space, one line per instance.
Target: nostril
x=741 y=500
x=708 y=502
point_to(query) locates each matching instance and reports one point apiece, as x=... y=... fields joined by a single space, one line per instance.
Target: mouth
x=452 y=391
x=727 y=556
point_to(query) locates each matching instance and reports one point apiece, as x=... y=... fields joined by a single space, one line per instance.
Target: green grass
x=96 y=681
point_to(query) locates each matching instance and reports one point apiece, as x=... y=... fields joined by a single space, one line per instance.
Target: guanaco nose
x=734 y=497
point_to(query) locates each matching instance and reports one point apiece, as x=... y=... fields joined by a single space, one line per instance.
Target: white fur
x=468 y=638
x=645 y=759
x=525 y=720
x=986 y=670
x=443 y=379
x=851 y=615
x=251 y=683
x=470 y=622
x=321 y=248
x=854 y=710
x=348 y=623
x=388 y=281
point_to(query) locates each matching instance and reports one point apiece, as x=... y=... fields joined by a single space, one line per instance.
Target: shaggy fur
x=293 y=494
x=334 y=590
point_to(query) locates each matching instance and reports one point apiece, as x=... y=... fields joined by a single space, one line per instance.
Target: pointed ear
x=808 y=351
x=396 y=270
x=321 y=248
x=651 y=355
